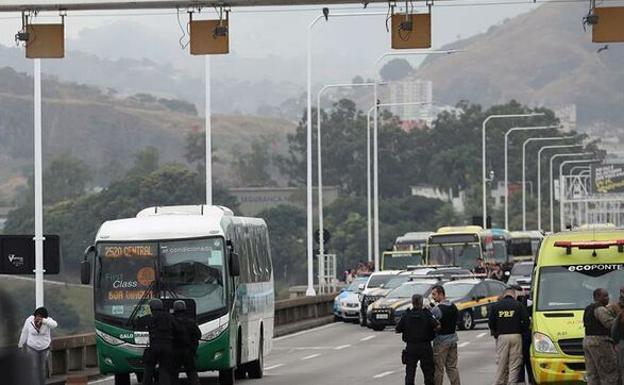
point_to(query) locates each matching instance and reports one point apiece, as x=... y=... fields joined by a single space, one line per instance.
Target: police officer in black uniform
x=418 y=327
x=185 y=343
x=508 y=320
x=160 y=325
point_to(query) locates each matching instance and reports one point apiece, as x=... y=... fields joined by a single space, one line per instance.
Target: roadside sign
x=17 y=254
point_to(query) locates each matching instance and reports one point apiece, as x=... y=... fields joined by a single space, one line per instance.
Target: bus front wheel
x=122 y=379
x=226 y=377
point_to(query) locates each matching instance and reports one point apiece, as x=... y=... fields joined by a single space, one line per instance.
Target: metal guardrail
x=74 y=354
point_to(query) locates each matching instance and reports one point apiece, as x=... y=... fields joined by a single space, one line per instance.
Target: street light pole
x=376 y=162
x=561 y=183
x=550 y=181
x=208 y=133
x=375 y=129
x=539 y=178
x=319 y=164
x=535 y=128
x=524 y=146
x=37 y=182
x=483 y=160
x=309 y=202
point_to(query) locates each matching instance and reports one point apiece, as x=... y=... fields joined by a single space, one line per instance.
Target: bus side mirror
x=234 y=265
x=85 y=266
x=85 y=272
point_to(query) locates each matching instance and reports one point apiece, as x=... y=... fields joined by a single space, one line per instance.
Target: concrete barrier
x=77 y=354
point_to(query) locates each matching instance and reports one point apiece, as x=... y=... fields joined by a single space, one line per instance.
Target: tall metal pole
x=319 y=164
x=539 y=178
x=562 y=185
x=376 y=173
x=38 y=180
x=208 y=133
x=309 y=202
x=483 y=159
x=524 y=146
x=535 y=128
x=375 y=131
x=551 y=183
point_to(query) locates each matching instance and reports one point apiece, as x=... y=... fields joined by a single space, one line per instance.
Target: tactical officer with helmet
x=160 y=325
x=418 y=328
x=185 y=343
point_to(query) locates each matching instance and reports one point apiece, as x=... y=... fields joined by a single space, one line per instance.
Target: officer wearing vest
x=160 y=325
x=187 y=336
x=508 y=320
x=418 y=329
x=445 y=342
x=600 y=359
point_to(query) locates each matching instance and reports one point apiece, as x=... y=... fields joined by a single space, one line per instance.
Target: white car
x=347 y=303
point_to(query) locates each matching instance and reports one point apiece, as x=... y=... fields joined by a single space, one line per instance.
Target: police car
x=388 y=310
x=373 y=289
x=473 y=297
x=347 y=303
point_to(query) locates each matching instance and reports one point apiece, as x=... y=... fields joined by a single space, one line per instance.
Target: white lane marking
x=463 y=344
x=305 y=332
x=310 y=356
x=367 y=338
x=273 y=366
x=314 y=348
x=342 y=347
x=380 y=375
x=481 y=334
x=102 y=380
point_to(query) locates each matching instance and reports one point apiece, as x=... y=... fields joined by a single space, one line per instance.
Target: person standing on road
x=418 y=327
x=508 y=320
x=160 y=325
x=617 y=333
x=600 y=360
x=185 y=343
x=445 y=342
x=35 y=339
x=526 y=339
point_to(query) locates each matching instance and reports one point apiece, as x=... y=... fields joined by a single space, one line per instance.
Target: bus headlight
x=108 y=338
x=211 y=335
x=543 y=344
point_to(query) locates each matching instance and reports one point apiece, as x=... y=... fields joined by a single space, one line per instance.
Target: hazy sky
x=351 y=43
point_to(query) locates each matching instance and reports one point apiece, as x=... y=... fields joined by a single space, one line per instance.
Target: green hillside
x=104 y=129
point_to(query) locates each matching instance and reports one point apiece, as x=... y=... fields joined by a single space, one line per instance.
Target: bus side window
x=267 y=253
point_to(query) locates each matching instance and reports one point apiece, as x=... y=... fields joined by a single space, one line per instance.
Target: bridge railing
x=73 y=354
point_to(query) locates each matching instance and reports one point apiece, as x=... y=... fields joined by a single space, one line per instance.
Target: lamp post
x=539 y=177
x=550 y=183
x=561 y=184
x=38 y=184
x=375 y=125
x=319 y=164
x=309 y=203
x=524 y=146
x=368 y=167
x=514 y=129
x=483 y=177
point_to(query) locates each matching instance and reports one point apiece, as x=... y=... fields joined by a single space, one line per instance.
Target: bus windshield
x=571 y=287
x=401 y=260
x=188 y=269
x=453 y=253
x=124 y=271
x=500 y=250
x=195 y=269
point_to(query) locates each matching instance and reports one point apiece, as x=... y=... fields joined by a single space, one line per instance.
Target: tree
x=66 y=177
x=146 y=161
x=253 y=169
x=395 y=69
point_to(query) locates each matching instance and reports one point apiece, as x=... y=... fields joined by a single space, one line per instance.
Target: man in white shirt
x=35 y=339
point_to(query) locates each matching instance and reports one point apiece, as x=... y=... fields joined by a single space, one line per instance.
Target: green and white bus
x=203 y=253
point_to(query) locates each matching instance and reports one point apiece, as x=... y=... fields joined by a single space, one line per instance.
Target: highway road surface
x=341 y=353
